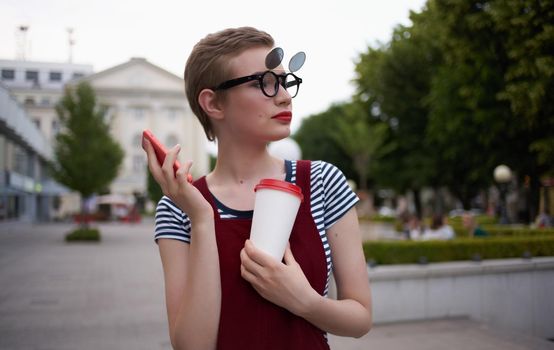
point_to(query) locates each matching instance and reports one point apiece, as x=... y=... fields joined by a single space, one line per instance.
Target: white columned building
x=140 y=95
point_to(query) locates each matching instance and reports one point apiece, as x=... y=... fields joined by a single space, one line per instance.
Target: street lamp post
x=503 y=175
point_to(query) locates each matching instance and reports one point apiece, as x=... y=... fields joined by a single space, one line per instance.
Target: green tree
x=528 y=27
x=358 y=139
x=393 y=81
x=464 y=88
x=153 y=189
x=87 y=158
x=492 y=90
x=314 y=136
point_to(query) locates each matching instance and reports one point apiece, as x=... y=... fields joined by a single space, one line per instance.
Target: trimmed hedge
x=379 y=218
x=409 y=252
x=506 y=231
x=479 y=219
x=83 y=234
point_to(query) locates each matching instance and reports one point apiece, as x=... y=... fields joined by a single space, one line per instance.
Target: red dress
x=248 y=321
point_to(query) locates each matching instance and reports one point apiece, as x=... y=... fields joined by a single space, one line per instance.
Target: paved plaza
x=109 y=295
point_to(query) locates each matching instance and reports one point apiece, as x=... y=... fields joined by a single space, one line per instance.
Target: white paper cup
x=275 y=210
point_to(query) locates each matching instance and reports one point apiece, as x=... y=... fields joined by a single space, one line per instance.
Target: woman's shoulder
x=166 y=205
x=319 y=166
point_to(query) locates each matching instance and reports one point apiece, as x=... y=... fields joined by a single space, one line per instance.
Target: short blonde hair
x=206 y=66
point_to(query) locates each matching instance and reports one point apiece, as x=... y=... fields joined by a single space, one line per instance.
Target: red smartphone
x=161 y=151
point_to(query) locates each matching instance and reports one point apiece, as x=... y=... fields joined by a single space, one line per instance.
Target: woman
x=221 y=291
x=439 y=229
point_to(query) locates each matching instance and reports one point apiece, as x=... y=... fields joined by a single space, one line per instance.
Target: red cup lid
x=280 y=186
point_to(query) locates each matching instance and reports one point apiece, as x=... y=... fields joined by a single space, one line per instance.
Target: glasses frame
x=280 y=79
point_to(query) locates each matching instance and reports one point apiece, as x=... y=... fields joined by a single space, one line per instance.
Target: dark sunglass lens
x=274 y=58
x=297 y=61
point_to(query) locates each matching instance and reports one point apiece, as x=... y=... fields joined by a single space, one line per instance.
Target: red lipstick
x=284 y=116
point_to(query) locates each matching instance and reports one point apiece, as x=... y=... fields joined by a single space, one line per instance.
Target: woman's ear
x=210 y=104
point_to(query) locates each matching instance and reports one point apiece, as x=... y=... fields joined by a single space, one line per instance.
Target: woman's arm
x=351 y=314
x=191 y=272
x=287 y=286
x=192 y=289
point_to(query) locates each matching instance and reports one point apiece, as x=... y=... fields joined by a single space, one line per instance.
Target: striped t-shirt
x=331 y=198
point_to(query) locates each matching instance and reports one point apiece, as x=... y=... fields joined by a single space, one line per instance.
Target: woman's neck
x=239 y=164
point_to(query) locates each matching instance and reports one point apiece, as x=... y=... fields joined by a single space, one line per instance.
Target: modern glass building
x=26 y=191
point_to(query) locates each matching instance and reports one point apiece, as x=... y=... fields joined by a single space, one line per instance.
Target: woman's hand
x=282 y=284
x=176 y=185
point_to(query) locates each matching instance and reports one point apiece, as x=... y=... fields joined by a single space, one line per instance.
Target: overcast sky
x=110 y=32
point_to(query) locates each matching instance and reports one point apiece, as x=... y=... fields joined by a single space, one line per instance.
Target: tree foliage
x=316 y=141
x=153 y=189
x=87 y=158
x=361 y=141
x=466 y=87
x=489 y=90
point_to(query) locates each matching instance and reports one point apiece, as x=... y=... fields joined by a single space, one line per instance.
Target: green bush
x=408 y=252
x=379 y=218
x=83 y=234
x=506 y=231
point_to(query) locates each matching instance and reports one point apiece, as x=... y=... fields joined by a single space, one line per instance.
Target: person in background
x=439 y=229
x=469 y=223
x=543 y=220
x=415 y=228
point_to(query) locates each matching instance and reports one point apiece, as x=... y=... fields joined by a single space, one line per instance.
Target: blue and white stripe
x=331 y=198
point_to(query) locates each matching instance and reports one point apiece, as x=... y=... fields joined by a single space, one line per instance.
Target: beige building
x=140 y=95
x=38 y=86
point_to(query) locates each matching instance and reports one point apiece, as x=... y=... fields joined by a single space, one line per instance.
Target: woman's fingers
x=247 y=263
x=183 y=174
x=259 y=256
x=167 y=166
x=257 y=262
x=289 y=258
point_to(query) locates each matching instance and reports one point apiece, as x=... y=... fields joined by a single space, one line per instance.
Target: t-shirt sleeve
x=171 y=222
x=338 y=197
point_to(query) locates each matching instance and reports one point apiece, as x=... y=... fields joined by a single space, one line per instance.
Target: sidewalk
x=57 y=296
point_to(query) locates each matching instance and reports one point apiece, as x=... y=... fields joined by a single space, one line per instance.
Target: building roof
x=136 y=74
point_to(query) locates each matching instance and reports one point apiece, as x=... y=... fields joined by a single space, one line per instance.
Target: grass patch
x=83 y=235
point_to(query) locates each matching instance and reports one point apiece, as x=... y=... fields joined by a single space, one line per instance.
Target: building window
x=137 y=140
x=139 y=163
x=171 y=140
x=172 y=113
x=8 y=74
x=37 y=122
x=45 y=101
x=108 y=112
x=78 y=75
x=31 y=75
x=138 y=112
x=21 y=162
x=55 y=76
x=29 y=101
x=55 y=127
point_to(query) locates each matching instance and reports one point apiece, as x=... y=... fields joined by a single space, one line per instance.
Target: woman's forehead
x=250 y=61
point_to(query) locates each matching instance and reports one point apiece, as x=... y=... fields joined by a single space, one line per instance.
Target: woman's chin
x=283 y=134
